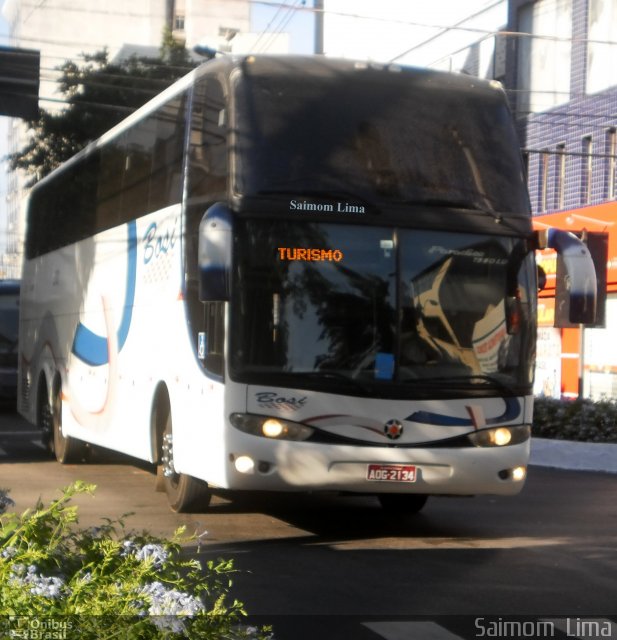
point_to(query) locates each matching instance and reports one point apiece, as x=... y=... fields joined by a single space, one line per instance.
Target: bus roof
x=278 y=65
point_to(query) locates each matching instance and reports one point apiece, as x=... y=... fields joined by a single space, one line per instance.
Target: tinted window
x=400 y=137
x=208 y=144
x=134 y=174
x=165 y=185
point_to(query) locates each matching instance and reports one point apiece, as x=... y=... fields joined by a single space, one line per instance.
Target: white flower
x=154 y=552
x=169 y=623
x=48 y=587
x=39 y=585
x=169 y=606
x=128 y=546
x=8 y=553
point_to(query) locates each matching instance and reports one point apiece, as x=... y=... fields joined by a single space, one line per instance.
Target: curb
x=576 y=456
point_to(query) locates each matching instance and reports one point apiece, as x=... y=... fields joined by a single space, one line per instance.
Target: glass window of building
x=544 y=56
x=601 y=46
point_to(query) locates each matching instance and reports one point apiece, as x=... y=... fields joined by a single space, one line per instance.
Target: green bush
x=582 y=420
x=60 y=581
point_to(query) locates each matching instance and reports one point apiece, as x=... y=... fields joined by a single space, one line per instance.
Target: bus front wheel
x=185 y=494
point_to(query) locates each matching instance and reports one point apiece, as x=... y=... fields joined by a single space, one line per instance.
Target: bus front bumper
x=287 y=466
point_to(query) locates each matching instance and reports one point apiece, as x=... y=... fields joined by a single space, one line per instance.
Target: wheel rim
x=56 y=419
x=167 y=460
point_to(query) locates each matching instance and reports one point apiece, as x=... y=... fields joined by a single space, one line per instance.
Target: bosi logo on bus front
x=272 y=400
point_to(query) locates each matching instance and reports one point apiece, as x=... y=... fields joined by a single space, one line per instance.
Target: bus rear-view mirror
x=214 y=255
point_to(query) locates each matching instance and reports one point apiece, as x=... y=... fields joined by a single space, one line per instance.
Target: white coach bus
x=292 y=274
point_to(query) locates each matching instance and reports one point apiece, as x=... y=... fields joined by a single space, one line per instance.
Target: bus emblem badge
x=393 y=429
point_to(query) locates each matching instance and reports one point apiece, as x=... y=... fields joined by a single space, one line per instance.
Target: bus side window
x=208 y=144
x=109 y=194
x=137 y=168
x=206 y=183
x=166 y=173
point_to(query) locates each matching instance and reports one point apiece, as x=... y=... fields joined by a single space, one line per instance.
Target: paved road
x=324 y=566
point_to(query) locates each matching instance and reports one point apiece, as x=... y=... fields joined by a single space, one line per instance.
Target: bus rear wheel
x=402 y=503
x=185 y=494
x=44 y=418
x=67 y=450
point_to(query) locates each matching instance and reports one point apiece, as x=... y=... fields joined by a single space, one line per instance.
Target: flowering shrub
x=59 y=581
x=582 y=420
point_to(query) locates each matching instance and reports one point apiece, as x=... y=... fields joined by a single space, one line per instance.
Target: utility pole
x=170 y=9
x=319 y=11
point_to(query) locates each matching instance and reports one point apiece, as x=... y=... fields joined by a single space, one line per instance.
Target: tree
x=99 y=94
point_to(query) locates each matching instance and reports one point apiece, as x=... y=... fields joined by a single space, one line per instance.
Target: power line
x=447 y=30
x=267 y=28
x=301 y=7
x=280 y=28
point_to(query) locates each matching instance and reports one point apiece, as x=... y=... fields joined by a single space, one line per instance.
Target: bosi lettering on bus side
x=158 y=243
x=272 y=400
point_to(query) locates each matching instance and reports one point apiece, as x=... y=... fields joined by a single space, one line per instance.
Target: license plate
x=391 y=473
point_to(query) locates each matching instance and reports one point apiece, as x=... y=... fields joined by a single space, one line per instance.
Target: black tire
x=67 y=450
x=44 y=420
x=402 y=503
x=185 y=494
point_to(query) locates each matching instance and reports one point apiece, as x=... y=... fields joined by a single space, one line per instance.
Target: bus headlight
x=268 y=427
x=500 y=436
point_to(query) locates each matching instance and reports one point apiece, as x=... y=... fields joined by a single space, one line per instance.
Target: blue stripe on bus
x=512 y=411
x=92 y=348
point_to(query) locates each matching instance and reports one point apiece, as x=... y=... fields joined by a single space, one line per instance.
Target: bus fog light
x=519 y=473
x=516 y=474
x=245 y=464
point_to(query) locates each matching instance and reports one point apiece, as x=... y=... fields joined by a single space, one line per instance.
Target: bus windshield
x=386 y=137
x=388 y=310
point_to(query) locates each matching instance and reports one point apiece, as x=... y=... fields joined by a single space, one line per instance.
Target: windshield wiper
x=332 y=375
x=468 y=381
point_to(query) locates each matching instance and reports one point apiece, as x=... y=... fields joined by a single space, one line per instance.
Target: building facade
x=557 y=62
x=562 y=78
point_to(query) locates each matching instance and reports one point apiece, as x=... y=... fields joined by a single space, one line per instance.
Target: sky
x=383 y=30
x=378 y=30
